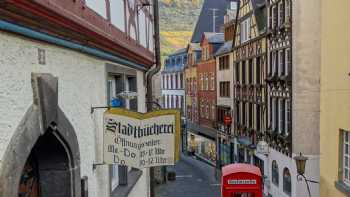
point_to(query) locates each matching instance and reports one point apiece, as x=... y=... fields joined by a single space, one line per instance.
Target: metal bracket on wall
x=94 y=165
x=94 y=108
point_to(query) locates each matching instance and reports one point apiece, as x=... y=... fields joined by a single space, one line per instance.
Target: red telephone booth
x=241 y=180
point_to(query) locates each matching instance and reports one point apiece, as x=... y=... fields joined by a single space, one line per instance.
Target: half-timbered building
x=249 y=58
x=58 y=60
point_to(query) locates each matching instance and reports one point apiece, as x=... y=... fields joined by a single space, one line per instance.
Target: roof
x=238 y=168
x=178 y=52
x=195 y=46
x=214 y=38
x=205 y=20
x=225 y=48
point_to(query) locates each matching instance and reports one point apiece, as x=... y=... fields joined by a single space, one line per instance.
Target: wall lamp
x=300 y=161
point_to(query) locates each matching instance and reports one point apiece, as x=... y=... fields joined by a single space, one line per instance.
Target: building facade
x=173 y=81
x=51 y=75
x=224 y=89
x=249 y=59
x=334 y=97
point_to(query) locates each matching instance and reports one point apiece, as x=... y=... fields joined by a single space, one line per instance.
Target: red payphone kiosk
x=241 y=180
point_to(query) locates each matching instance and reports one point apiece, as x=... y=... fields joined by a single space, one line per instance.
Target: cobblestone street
x=193 y=179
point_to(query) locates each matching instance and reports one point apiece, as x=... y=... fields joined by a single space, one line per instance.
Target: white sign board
x=263 y=148
x=141 y=140
x=242 y=182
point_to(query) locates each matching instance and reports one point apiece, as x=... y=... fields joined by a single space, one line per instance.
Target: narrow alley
x=193 y=179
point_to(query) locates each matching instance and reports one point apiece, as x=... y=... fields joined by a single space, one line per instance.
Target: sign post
x=141 y=140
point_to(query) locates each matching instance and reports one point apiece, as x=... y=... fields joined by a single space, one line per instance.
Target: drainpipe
x=149 y=76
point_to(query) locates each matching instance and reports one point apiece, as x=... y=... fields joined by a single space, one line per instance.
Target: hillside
x=177 y=21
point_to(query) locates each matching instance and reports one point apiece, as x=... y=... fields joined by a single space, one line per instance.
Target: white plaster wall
x=298 y=186
x=82 y=84
x=224 y=75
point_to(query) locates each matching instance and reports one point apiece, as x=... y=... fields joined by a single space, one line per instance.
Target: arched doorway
x=47 y=169
x=43 y=157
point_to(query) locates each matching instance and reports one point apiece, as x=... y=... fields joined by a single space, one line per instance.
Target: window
x=273 y=113
x=281 y=13
x=163 y=82
x=243 y=72
x=287 y=10
x=287 y=182
x=176 y=81
x=258 y=118
x=245 y=30
x=213 y=111
x=258 y=70
x=288 y=61
x=206 y=81
x=281 y=115
x=251 y=72
x=275 y=16
x=167 y=82
x=117 y=12
x=238 y=117
x=181 y=81
x=171 y=82
x=224 y=89
x=244 y=114
x=237 y=72
x=251 y=115
x=276 y=114
x=275 y=175
x=212 y=81
x=224 y=62
x=346 y=157
x=288 y=120
x=201 y=83
x=274 y=63
x=281 y=66
x=98 y=6
x=116 y=84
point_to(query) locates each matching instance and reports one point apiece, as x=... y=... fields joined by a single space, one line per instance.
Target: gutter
x=24 y=31
x=149 y=76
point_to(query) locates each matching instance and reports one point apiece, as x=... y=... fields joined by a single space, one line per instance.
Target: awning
x=201 y=130
x=246 y=141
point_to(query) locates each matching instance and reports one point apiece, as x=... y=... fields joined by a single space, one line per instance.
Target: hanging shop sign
x=141 y=140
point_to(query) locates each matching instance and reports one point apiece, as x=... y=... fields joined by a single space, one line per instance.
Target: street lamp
x=300 y=161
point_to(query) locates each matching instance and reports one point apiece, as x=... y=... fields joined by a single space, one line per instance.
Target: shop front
x=202 y=147
x=201 y=142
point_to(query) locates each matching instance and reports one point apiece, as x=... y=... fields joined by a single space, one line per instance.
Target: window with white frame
x=212 y=79
x=207 y=110
x=273 y=111
x=282 y=114
x=213 y=111
x=287 y=10
x=117 y=83
x=281 y=13
x=288 y=61
x=346 y=157
x=281 y=62
x=206 y=81
x=287 y=117
x=118 y=14
x=98 y=6
x=273 y=60
x=245 y=30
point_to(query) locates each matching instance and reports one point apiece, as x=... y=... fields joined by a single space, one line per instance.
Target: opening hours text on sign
x=141 y=140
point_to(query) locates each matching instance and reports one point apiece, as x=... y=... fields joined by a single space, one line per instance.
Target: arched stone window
x=287 y=181
x=275 y=174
